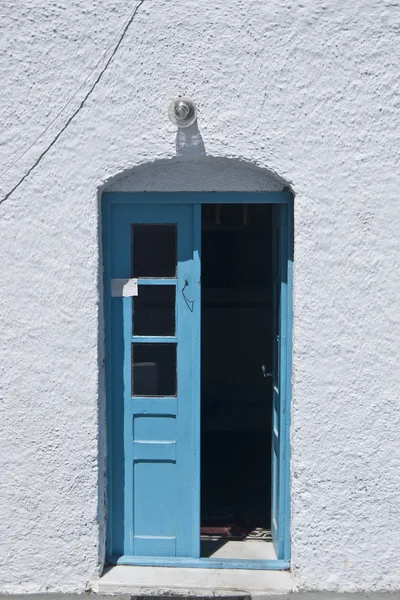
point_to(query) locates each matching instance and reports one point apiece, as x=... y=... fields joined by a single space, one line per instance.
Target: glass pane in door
x=154 y=251
x=154 y=310
x=154 y=369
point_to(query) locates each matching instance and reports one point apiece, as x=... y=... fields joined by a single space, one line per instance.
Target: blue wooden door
x=152 y=380
x=281 y=374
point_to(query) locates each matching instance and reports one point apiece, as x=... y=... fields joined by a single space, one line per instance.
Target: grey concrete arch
x=205 y=174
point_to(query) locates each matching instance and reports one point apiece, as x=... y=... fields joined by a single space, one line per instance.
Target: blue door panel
x=154 y=427
x=155 y=503
x=281 y=374
x=154 y=455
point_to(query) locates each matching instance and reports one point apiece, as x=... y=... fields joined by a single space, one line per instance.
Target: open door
x=152 y=293
x=280 y=517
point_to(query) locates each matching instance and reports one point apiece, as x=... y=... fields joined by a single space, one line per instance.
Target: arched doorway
x=198 y=376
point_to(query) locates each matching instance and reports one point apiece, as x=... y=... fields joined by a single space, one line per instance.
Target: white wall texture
x=303 y=89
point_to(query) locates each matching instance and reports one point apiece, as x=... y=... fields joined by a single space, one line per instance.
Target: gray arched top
x=207 y=174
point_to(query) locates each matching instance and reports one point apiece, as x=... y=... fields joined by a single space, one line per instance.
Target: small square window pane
x=154 y=251
x=154 y=310
x=154 y=369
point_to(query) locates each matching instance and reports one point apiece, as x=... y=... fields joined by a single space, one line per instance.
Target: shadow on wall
x=189 y=142
x=193 y=171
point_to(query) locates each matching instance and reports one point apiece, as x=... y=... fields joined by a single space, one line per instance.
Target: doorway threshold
x=183 y=581
x=234 y=549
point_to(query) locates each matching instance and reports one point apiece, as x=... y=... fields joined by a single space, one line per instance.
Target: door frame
x=285 y=200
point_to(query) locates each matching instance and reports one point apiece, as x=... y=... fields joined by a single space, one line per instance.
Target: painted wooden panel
x=281 y=380
x=153 y=403
x=155 y=501
x=154 y=427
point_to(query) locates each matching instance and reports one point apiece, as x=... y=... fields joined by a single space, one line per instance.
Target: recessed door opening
x=198 y=335
x=237 y=347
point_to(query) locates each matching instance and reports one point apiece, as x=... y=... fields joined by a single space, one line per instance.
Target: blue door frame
x=122 y=553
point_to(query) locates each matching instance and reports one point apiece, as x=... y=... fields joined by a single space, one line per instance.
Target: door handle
x=264 y=372
x=189 y=303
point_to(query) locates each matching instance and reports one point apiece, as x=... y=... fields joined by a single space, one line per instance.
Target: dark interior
x=237 y=344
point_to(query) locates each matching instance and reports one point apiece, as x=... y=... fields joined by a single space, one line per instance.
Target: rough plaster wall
x=305 y=89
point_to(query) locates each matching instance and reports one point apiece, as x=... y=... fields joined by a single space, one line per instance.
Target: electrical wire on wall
x=115 y=44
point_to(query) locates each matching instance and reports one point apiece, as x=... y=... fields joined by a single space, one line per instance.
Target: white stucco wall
x=306 y=90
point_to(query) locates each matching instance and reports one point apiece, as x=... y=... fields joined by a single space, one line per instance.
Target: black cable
x=38 y=160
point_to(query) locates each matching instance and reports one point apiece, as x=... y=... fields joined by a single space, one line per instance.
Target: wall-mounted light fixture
x=182 y=112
